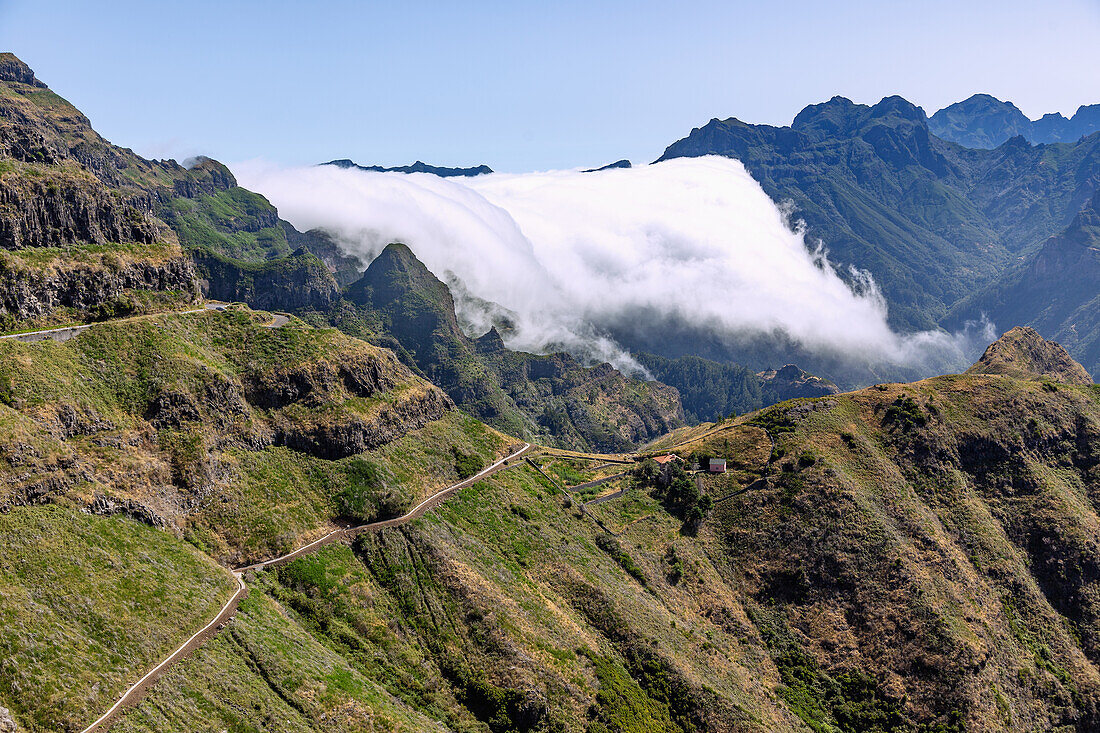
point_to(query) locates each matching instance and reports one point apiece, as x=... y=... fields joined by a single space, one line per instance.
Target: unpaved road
x=137 y=691
x=69 y=332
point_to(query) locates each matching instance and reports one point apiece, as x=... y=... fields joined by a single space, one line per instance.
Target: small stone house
x=716 y=465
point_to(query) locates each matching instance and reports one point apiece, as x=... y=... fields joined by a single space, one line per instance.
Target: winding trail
x=137 y=691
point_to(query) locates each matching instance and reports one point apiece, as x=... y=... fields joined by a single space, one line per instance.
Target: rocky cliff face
x=32 y=294
x=300 y=281
x=78 y=219
x=64 y=187
x=46 y=207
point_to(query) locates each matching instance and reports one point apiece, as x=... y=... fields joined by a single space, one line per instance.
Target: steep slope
x=245 y=441
x=929 y=219
x=87 y=227
x=911 y=557
x=983 y=121
x=1057 y=291
x=524 y=394
x=78 y=229
x=157 y=417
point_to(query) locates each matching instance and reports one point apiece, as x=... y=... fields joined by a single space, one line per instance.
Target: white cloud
x=574 y=253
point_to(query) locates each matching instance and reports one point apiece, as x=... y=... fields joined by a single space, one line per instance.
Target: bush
x=905 y=412
x=675 y=565
x=466 y=464
x=118 y=308
x=364 y=483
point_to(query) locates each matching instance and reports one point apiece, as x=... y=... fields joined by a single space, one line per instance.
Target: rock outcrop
x=1024 y=354
x=300 y=281
x=27 y=294
x=7 y=723
x=792 y=381
x=52 y=208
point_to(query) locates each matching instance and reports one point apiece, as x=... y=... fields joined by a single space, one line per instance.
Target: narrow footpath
x=137 y=691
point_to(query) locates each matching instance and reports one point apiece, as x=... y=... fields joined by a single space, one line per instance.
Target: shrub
x=905 y=413
x=359 y=496
x=466 y=464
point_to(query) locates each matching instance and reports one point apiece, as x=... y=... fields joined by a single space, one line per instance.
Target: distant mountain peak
x=624 y=163
x=983 y=121
x=1023 y=353
x=417 y=167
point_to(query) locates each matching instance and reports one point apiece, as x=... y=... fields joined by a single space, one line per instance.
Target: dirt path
x=139 y=688
x=64 y=333
x=596 y=482
x=137 y=691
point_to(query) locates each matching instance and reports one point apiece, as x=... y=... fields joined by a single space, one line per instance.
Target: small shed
x=716 y=465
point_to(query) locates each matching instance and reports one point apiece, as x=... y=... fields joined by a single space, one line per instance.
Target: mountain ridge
x=931 y=220
x=983 y=121
x=417 y=167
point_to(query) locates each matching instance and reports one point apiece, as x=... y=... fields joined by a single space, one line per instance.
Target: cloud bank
x=571 y=254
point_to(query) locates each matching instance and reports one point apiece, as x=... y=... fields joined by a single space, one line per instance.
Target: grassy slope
x=87 y=605
x=74 y=418
x=513 y=618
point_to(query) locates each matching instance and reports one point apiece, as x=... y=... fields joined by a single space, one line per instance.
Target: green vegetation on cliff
x=400 y=304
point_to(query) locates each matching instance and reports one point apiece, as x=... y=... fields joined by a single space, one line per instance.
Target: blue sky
x=525 y=85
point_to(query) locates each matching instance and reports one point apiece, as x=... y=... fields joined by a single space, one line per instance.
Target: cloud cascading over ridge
x=571 y=253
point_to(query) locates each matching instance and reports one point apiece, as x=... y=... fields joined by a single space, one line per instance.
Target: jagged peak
x=12 y=69
x=1024 y=354
x=397 y=271
x=491 y=342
